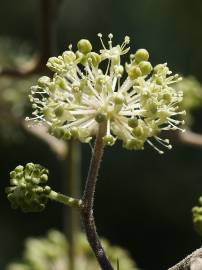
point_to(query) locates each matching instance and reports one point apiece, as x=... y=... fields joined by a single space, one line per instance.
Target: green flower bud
x=12 y=174
x=19 y=169
x=100 y=117
x=133 y=122
x=74 y=132
x=141 y=55
x=29 y=167
x=56 y=64
x=67 y=135
x=118 y=69
x=84 y=46
x=44 y=81
x=134 y=144
x=167 y=97
x=68 y=57
x=159 y=80
x=138 y=131
x=59 y=111
x=109 y=140
x=152 y=107
x=47 y=190
x=134 y=72
x=44 y=178
x=159 y=68
x=118 y=98
x=58 y=132
x=145 y=67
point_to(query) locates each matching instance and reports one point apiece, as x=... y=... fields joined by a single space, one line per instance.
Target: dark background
x=143 y=200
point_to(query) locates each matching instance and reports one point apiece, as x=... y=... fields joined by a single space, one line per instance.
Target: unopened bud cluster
x=135 y=100
x=28 y=189
x=197 y=216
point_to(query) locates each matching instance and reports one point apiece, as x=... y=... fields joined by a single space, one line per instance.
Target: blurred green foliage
x=192 y=97
x=13 y=90
x=51 y=253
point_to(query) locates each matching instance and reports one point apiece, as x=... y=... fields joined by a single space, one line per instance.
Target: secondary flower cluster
x=28 y=189
x=135 y=101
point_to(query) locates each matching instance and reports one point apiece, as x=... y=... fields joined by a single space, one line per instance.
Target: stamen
x=100 y=37
x=156 y=148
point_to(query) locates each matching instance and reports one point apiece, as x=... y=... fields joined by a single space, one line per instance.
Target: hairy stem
x=65 y=199
x=88 y=202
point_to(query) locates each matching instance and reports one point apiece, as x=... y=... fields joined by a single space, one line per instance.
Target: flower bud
x=133 y=122
x=84 y=46
x=141 y=55
x=134 y=72
x=167 y=97
x=44 y=81
x=109 y=140
x=68 y=57
x=67 y=135
x=100 y=117
x=152 y=107
x=74 y=132
x=118 y=69
x=138 y=131
x=145 y=67
x=56 y=64
x=19 y=169
x=118 y=98
x=133 y=144
x=59 y=111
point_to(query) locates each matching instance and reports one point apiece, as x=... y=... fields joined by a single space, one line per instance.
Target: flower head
x=28 y=189
x=135 y=100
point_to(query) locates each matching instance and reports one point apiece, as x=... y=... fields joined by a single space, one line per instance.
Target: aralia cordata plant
x=93 y=94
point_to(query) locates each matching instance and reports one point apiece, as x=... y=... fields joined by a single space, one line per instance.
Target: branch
x=191 y=262
x=191 y=138
x=49 y=10
x=88 y=202
x=187 y=137
x=27 y=70
x=40 y=131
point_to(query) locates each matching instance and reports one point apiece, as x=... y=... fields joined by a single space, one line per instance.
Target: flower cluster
x=135 y=101
x=28 y=189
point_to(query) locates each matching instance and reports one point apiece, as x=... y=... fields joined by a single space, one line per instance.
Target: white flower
x=136 y=102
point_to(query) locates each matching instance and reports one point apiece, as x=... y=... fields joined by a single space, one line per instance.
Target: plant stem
x=72 y=184
x=65 y=199
x=88 y=201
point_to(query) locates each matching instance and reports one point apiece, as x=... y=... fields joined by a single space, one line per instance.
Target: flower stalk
x=53 y=195
x=88 y=201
